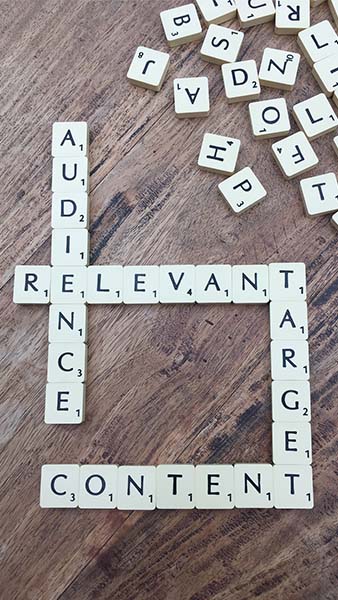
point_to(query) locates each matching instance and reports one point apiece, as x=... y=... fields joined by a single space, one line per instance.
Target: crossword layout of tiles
x=68 y=285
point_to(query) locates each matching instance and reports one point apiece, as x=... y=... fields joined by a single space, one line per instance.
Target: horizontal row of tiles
x=147 y=284
x=176 y=486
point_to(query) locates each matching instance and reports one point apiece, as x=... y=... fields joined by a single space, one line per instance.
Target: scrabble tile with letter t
x=242 y=190
x=325 y=71
x=320 y=194
x=148 y=68
x=295 y=155
x=181 y=24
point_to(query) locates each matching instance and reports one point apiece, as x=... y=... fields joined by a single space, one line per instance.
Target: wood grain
x=166 y=383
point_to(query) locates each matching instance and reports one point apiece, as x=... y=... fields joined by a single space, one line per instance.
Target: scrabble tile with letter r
x=293 y=486
x=219 y=154
x=269 y=118
x=59 y=487
x=32 y=284
x=320 y=194
x=181 y=24
x=241 y=81
x=70 y=139
x=148 y=68
x=292 y=16
x=315 y=116
x=242 y=190
x=254 y=13
x=279 y=68
x=325 y=71
x=295 y=155
x=290 y=360
x=221 y=45
x=65 y=403
x=217 y=11
x=318 y=41
x=191 y=95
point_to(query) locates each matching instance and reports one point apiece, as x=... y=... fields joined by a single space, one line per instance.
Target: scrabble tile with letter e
x=291 y=443
x=320 y=194
x=250 y=284
x=68 y=285
x=191 y=96
x=290 y=360
x=325 y=72
x=291 y=401
x=98 y=486
x=175 y=486
x=294 y=154
x=318 y=41
x=214 y=486
x=219 y=154
x=181 y=24
x=217 y=11
x=279 y=68
x=253 y=486
x=254 y=13
x=242 y=190
x=148 y=68
x=293 y=486
x=70 y=139
x=65 y=403
x=221 y=45
x=292 y=16
x=32 y=284
x=241 y=81
x=269 y=118
x=59 y=487
x=315 y=116
x=287 y=281
x=141 y=284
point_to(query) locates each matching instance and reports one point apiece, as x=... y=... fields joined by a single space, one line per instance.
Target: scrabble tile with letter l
x=70 y=211
x=291 y=401
x=217 y=11
x=320 y=194
x=318 y=41
x=105 y=284
x=315 y=116
x=221 y=45
x=59 y=487
x=294 y=154
x=291 y=443
x=287 y=281
x=65 y=403
x=241 y=81
x=279 y=69
x=269 y=118
x=70 y=175
x=219 y=154
x=292 y=16
x=325 y=71
x=181 y=24
x=191 y=95
x=32 y=284
x=70 y=139
x=250 y=284
x=214 y=487
x=253 y=486
x=98 y=486
x=148 y=68
x=293 y=486
x=251 y=13
x=242 y=190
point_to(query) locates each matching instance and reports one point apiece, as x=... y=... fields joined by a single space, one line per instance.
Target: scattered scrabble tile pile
x=69 y=285
x=242 y=82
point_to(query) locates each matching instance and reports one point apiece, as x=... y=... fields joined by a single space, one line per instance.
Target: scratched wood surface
x=166 y=383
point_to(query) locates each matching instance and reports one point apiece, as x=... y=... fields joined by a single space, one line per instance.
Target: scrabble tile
x=292 y=16
x=67 y=362
x=320 y=194
x=177 y=284
x=318 y=41
x=70 y=211
x=290 y=360
x=251 y=14
x=217 y=11
x=67 y=323
x=70 y=175
x=191 y=96
x=214 y=486
x=335 y=144
x=291 y=401
x=181 y=24
x=291 y=443
x=213 y=284
x=148 y=68
x=68 y=285
x=242 y=190
x=315 y=116
x=70 y=139
x=279 y=68
x=333 y=4
x=241 y=81
x=31 y=284
x=335 y=98
x=250 y=284
x=325 y=71
x=105 y=284
x=59 y=487
x=65 y=403
x=287 y=281
x=221 y=45
x=175 y=486
x=253 y=486
x=293 y=486
x=219 y=154
x=334 y=220
x=288 y=320
x=141 y=284
x=98 y=486
x=70 y=247
x=136 y=488
x=269 y=118
x=294 y=154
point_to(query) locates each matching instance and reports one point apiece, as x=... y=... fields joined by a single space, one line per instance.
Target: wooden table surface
x=166 y=383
